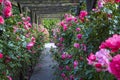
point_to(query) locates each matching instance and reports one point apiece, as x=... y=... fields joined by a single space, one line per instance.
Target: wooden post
x=20 y=8
x=90 y=4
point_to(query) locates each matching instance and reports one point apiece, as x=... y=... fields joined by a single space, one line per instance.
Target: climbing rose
x=30 y=45
x=103 y=57
x=63 y=56
x=28 y=18
x=33 y=39
x=1 y=1
x=7 y=3
x=77 y=29
x=7 y=12
x=91 y=58
x=112 y=43
x=76 y=45
x=82 y=15
x=65 y=27
x=117 y=1
x=98 y=65
x=115 y=66
x=63 y=75
x=75 y=63
x=79 y=36
x=1 y=20
x=100 y=3
x=61 y=39
x=9 y=77
x=71 y=77
x=1 y=55
x=67 y=68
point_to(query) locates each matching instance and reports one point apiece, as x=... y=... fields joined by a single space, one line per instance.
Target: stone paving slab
x=44 y=69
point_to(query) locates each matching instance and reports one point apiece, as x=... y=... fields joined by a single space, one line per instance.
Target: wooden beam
x=47 y=1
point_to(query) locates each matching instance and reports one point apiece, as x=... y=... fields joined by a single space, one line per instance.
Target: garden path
x=44 y=69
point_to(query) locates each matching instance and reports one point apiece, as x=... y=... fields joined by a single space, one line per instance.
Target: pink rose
x=28 y=18
x=1 y=1
x=82 y=15
x=30 y=45
x=100 y=3
x=7 y=12
x=112 y=43
x=62 y=23
x=65 y=27
x=117 y=1
x=1 y=20
x=75 y=63
x=61 y=39
x=63 y=75
x=63 y=56
x=79 y=36
x=1 y=55
x=115 y=66
x=91 y=58
x=10 y=78
x=76 y=45
x=67 y=68
x=69 y=56
x=7 y=3
x=78 y=29
x=33 y=39
x=103 y=57
x=71 y=77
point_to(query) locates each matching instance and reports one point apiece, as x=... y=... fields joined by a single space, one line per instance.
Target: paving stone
x=44 y=69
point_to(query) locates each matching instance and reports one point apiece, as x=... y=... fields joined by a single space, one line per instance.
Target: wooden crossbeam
x=50 y=15
x=51 y=9
x=47 y=1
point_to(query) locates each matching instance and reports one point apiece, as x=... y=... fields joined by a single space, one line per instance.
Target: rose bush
x=78 y=38
x=20 y=43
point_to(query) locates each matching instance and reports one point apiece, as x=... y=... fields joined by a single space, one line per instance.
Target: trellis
x=46 y=8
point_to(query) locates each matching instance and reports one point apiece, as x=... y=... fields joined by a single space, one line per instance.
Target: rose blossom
x=7 y=12
x=1 y=20
x=117 y=1
x=65 y=27
x=100 y=3
x=67 y=67
x=9 y=77
x=103 y=57
x=33 y=39
x=91 y=58
x=71 y=77
x=82 y=15
x=78 y=29
x=79 y=36
x=75 y=63
x=63 y=75
x=30 y=45
x=1 y=55
x=115 y=66
x=76 y=45
x=63 y=56
x=112 y=43
x=7 y=3
x=61 y=39
x=1 y=1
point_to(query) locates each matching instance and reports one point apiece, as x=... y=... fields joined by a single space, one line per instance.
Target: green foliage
x=95 y=28
x=50 y=24
x=17 y=61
